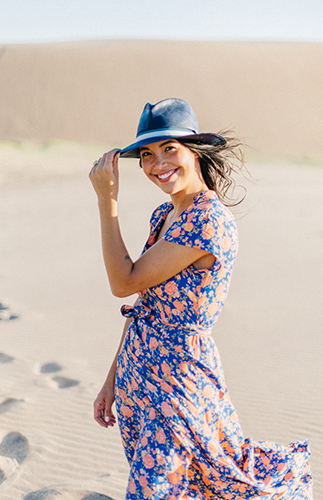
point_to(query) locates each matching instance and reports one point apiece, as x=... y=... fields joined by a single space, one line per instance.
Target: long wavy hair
x=219 y=164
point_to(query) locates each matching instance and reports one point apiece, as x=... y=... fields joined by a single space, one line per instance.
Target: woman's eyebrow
x=142 y=148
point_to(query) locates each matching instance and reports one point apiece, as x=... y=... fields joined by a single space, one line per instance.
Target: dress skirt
x=179 y=429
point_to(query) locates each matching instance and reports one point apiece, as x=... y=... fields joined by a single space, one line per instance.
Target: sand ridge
x=94 y=91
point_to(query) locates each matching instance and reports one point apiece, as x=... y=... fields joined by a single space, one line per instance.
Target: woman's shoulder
x=160 y=211
x=207 y=206
x=206 y=224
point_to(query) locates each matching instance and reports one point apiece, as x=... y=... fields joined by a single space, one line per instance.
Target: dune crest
x=94 y=91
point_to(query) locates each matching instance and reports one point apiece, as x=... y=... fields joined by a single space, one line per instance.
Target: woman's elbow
x=122 y=290
x=118 y=291
x=120 y=294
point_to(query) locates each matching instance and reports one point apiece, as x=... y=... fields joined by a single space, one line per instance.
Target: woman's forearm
x=117 y=261
x=105 y=179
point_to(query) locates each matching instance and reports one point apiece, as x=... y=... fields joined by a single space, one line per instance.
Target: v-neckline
x=168 y=207
x=162 y=221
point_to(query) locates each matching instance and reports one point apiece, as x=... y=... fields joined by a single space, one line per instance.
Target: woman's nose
x=160 y=161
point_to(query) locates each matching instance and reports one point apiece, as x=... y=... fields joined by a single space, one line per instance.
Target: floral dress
x=179 y=429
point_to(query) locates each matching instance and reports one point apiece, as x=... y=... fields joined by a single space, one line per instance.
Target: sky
x=33 y=21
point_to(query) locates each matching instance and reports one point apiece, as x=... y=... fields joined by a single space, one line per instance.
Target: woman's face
x=171 y=166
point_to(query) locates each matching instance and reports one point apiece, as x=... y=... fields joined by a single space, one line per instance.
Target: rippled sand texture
x=55 y=355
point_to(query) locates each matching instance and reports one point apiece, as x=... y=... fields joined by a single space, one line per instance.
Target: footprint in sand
x=50 y=368
x=96 y=496
x=51 y=494
x=62 y=382
x=13 y=451
x=8 y=403
x=5 y=312
x=43 y=494
x=4 y=358
x=15 y=446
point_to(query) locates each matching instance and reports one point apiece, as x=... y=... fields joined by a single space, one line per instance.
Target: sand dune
x=271 y=93
x=55 y=355
x=59 y=323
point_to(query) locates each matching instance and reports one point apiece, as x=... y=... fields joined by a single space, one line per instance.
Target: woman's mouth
x=166 y=175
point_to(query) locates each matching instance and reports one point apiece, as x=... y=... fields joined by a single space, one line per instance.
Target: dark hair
x=218 y=164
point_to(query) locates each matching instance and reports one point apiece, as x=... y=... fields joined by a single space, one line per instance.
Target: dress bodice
x=194 y=297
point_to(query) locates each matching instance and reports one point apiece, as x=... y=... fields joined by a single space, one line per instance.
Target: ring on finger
x=95 y=163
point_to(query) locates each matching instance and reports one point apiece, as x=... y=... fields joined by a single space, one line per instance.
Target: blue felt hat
x=168 y=119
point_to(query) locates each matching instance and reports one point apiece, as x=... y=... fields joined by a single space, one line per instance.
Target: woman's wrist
x=108 y=386
x=108 y=206
x=110 y=380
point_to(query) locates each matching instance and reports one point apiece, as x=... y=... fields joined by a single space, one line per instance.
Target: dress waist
x=144 y=313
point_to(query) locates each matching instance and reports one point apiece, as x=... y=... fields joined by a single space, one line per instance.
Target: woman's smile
x=172 y=166
x=166 y=176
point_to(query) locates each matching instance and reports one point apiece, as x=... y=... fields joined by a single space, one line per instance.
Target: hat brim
x=133 y=151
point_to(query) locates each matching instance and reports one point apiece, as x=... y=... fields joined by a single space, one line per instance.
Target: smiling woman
x=172 y=166
x=214 y=163
x=179 y=429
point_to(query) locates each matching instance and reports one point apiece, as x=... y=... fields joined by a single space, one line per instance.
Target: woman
x=180 y=432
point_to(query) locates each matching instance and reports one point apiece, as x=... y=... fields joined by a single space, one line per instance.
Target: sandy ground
x=55 y=355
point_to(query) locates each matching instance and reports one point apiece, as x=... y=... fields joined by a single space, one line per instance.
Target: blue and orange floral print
x=179 y=429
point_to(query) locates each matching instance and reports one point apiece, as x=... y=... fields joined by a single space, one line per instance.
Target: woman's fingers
x=108 y=159
x=109 y=418
x=104 y=175
x=108 y=162
x=103 y=413
x=105 y=169
x=99 y=408
x=115 y=164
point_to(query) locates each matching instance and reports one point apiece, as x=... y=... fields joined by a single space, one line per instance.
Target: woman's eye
x=145 y=153
x=168 y=148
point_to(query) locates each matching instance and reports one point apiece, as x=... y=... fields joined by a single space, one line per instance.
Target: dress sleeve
x=153 y=224
x=157 y=213
x=199 y=229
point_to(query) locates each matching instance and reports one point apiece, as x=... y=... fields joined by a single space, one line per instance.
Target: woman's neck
x=181 y=201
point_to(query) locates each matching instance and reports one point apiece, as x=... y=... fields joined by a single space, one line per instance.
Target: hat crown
x=168 y=114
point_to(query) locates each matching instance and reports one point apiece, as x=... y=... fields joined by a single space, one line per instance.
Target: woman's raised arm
x=159 y=263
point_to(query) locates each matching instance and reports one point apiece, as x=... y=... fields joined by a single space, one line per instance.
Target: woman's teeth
x=165 y=175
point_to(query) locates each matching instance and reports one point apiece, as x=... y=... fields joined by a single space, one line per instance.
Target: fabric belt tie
x=135 y=312
x=144 y=312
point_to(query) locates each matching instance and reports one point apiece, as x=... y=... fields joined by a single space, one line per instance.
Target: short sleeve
x=157 y=214
x=155 y=221
x=199 y=228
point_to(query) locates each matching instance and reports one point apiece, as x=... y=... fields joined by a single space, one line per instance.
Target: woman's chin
x=168 y=187
x=170 y=190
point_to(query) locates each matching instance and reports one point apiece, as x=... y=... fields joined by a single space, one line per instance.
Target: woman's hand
x=104 y=176
x=103 y=413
